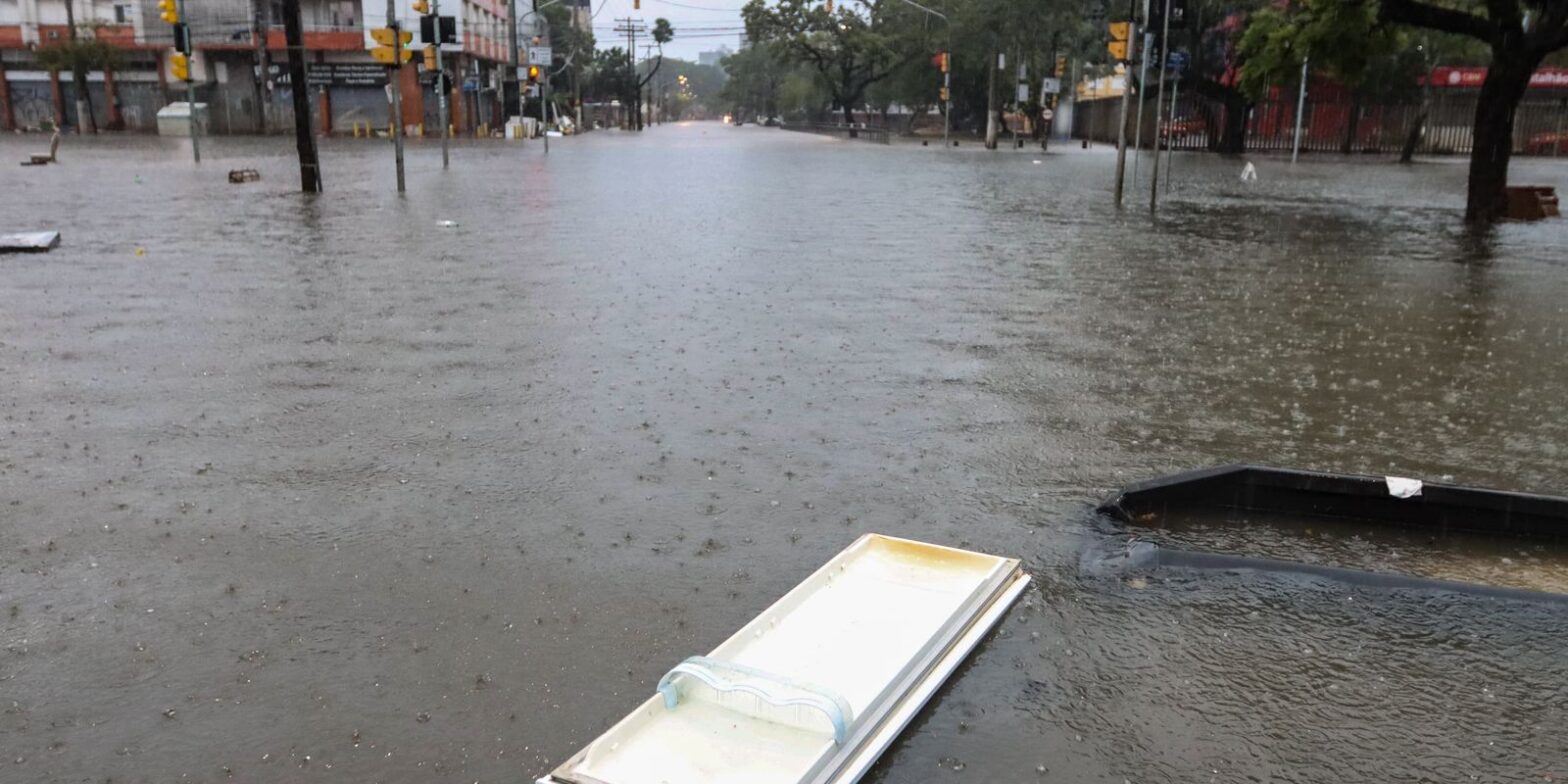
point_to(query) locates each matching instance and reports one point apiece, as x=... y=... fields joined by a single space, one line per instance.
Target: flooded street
x=313 y=489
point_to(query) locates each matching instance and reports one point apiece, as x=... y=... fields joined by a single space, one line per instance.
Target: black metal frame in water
x=1438 y=508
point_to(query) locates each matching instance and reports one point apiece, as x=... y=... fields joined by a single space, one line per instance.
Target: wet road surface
x=312 y=489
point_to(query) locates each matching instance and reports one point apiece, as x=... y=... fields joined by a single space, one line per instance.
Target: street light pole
x=1301 y=103
x=947 y=75
x=395 y=88
x=190 y=95
x=441 y=82
x=1159 y=102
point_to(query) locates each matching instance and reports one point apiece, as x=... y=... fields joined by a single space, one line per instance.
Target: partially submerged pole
x=1301 y=103
x=304 y=140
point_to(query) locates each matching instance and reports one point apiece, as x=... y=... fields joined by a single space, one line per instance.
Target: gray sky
x=700 y=25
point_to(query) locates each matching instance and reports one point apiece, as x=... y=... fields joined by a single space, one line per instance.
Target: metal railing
x=861 y=132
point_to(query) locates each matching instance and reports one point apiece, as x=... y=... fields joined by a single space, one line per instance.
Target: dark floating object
x=1532 y=202
x=244 y=175
x=1434 y=507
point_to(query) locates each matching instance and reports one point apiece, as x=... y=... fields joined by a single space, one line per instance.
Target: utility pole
x=441 y=83
x=1121 y=130
x=1159 y=103
x=633 y=113
x=1143 y=74
x=990 y=99
x=395 y=88
x=190 y=90
x=512 y=99
x=261 y=19
x=294 y=36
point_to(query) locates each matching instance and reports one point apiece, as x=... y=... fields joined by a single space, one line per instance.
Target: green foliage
x=86 y=54
x=1343 y=39
x=858 y=44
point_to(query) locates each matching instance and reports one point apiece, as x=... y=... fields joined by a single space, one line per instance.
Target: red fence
x=1333 y=126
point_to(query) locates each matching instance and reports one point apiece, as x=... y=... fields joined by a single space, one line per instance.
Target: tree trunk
x=1413 y=138
x=1233 y=136
x=84 y=104
x=1351 y=124
x=1493 y=135
x=849 y=120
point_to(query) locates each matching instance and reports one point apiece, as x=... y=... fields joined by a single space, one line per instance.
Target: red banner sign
x=1472 y=77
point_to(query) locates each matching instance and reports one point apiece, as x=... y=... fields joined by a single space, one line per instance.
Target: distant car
x=1181 y=129
x=1547 y=144
x=772 y=122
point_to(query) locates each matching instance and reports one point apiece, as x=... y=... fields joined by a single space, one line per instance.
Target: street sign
x=539 y=55
x=427 y=31
x=1176 y=62
x=384 y=55
x=344 y=75
x=1050 y=86
x=386 y=36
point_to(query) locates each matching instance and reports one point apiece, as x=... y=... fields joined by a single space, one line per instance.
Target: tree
x=859 y=44
x=1520 y=34
x=756 y=75
x=662 y=34
x=80 y=55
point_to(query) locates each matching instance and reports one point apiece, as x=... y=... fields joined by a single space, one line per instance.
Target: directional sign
x=539 y=55
x=1050 y=86
x=386 y=36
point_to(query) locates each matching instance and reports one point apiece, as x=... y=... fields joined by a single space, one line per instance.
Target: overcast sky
x=700 y=25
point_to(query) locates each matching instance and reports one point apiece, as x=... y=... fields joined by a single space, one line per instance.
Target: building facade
x=239 y=65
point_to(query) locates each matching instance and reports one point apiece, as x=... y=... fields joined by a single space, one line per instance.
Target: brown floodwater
x=302 y=489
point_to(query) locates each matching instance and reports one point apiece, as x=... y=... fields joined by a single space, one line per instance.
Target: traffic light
x=430 y=58
x=533 y=74
x=180 y=66
x=1061 y=64
x=1120 y=32
x=388 y=40
x=421 y=7
x=168 y=11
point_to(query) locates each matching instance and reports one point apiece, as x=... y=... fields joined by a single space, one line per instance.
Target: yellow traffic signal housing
x=386 y=56
x=180 y=66
x=533 y=74
x=421 y=7
x=1121 y=31
x=430 y=58
x=386 y=36
x=168 y=11
x=1118 y=49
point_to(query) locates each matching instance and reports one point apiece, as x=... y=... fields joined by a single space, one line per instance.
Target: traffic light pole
x=304 y=140
x=1121 y=129
x=1159 y=105
x=395 y=87
x=190 y=100
x=441 y=80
